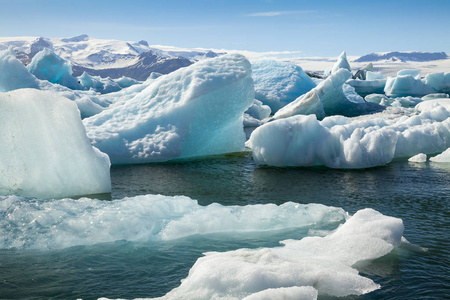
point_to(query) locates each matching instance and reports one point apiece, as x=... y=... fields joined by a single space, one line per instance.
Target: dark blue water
x=416 y=193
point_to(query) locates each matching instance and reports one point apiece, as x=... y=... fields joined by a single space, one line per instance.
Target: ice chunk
x=98 y=84
x=295 y=292
x=194 y=111
x=45 y=151
x=419 y=158
x=341 y=63
x=340 y=142
x=439 y=82
x=429 y=104
x=125 y=82
x=415 y=73
x=444 y=157
x=46 y=65
x=13 y=73
x=374 y=75
x=362 y=74
x=279 y=83
x=330 y=97
x=434 y=96
x=366 y=87
x=324 y=263
x=406 y=85
x=256 y=113
x=395 y=102
x=56 y=224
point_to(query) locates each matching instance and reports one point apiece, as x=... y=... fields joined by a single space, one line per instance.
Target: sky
x=311 y=28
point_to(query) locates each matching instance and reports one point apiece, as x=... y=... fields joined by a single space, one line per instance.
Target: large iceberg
x=14 y=75
x=47 y=65
x=45 y=151
x=331 y=97
x=194 y=111
x=279 y=83
x=340 y=142
x=306 y=267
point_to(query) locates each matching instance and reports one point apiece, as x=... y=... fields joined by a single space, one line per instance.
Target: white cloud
x=279 y=13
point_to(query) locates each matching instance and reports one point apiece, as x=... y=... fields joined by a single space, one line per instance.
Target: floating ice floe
x=340 y=142
x=444 y=157
x=395 y=102
x=45 y=151
x=62 y=223
x=279 y=83
x=331 y=97
x=194 y=111
x=341 y=63
x=324 y=264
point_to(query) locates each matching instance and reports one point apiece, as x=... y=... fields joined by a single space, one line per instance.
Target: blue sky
x=316 y=28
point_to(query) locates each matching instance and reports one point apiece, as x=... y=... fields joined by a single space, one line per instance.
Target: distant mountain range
x=403 y=56
x=111 y=58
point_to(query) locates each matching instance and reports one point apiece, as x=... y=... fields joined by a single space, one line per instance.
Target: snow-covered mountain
x=111 y=58
x=403 y=56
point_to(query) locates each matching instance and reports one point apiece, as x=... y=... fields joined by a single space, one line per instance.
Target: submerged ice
x=55 y=224
x=194 y=111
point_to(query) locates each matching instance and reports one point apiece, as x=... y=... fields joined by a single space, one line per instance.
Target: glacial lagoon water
x=416 y=193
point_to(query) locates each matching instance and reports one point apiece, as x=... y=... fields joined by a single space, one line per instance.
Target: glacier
x=340 y=142
x=331 y=97
x=44 y=150
x=194 y=111
x=279 y=83
x=321 y=265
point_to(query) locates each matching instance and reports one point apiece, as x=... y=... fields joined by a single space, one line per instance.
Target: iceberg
x=439 y=82
x=14 y=75
x=279 y=83
x=322 y=265
x=419 y=158
x=331 y=97
x=98 y=84
x=340 y=142
x=194 y=111
x=45 y=151
x=341 y=63
x=367 y=87
x=46 y=65
x=407 y=83
x=444 y=157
